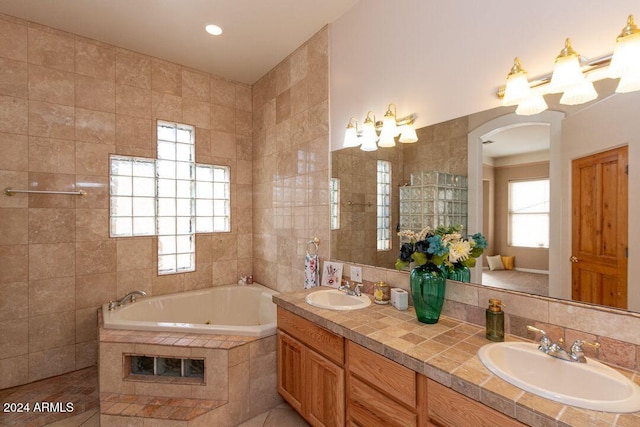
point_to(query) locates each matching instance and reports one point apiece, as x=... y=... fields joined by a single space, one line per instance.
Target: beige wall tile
x=93 y=290
x=51 y=331
x=13 y=226
x=196 y=113
x=51 y=260
x=243 y=97
x=51 y=362
x=95 y=94
x=51 y=225
x=167 y=284
x=165 y=106
x=15 y=152
x=51 y=296
x=14 y=41
x=53 y=49
x=195 y=85
x=223 y=92
x=51 y=182
x=225 y=272
x=97 y=192
x=133 y=69
x=86 y=354
x=86 y=324
x=243 y=122
x=133 y=101
x=15 y=371
x=50 y=85
x=95 y=59
x=134 y=132
x=95 y=126
x=134 y=253
x=92 y=224
x=13 y=115
x=13 y=78
x=223 y=144
x=14 y=300
x=14 y=338
x=51 y=120
x=223 y=118
x=95 y=257
x=14 y=263
x=92 y=159
x=51 y=155
x=132 y=280
x=166 y=77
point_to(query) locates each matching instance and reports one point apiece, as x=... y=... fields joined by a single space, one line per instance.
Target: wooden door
x=599 y=228
x=324 y=391
x=290 y=370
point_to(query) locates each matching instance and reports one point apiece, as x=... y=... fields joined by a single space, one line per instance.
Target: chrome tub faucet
x=131 y=296
x=575 y=353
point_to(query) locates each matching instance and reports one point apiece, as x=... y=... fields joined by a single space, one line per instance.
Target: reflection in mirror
x=451 y=147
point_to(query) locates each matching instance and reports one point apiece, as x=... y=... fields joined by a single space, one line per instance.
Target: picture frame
x=332 y=274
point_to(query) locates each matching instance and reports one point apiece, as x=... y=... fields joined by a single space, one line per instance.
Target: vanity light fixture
x=390 y=127
x=573 y=75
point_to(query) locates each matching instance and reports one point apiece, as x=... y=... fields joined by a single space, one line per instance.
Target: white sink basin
x=590 y=385
x=334 y=299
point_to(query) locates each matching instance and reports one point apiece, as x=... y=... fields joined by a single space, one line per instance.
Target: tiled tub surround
x=66 y=103
x=239 y=379
x=446 y=351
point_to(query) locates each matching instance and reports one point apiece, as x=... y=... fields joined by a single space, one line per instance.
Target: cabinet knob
x=574 y=259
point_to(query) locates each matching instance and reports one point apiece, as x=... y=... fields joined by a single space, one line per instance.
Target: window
x=171 y=197
x=384 y=205
x=529 y=213
x=334 y=194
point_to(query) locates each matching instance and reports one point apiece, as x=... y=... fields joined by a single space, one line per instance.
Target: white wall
x=445 y=59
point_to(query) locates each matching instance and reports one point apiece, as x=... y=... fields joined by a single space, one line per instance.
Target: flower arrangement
x=443 y=247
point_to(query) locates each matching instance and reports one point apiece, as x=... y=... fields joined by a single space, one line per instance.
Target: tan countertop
x=446 y=353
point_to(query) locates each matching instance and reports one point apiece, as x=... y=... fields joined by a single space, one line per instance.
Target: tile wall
x=66 y=103
x=291 y=164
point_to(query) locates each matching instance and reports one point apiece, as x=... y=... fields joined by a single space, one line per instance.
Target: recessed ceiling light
x=214 y=30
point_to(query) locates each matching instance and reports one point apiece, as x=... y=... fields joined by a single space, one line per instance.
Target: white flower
x=422 y=235
x=451 y=238
x=459 y=251
x=408 y=234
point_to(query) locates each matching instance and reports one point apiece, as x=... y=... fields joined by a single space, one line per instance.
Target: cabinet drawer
x=450 y=408
x=368 y=407
x=321 y=340
x=396 y=380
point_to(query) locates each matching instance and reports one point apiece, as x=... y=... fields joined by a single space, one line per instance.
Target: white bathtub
x=224 y=310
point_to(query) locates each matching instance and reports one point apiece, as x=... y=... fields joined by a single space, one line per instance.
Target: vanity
x=380 y=366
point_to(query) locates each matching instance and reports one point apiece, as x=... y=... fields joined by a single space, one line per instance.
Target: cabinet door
x=324 y=389
x=369 y=407
x=290 y=370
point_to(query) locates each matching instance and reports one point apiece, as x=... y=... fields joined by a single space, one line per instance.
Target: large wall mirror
x=519 y=194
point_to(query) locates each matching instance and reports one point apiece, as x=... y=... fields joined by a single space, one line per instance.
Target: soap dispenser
x=495 y=320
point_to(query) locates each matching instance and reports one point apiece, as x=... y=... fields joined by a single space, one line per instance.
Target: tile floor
x=80 y=388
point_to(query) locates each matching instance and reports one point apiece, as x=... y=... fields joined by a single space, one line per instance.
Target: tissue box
x=399 y=298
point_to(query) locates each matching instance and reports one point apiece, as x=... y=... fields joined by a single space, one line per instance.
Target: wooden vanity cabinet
x=381 y=391
x=448 y=408
x=311 y=370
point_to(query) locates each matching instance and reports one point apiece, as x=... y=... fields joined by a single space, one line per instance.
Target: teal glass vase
x=427 y=290
x=460 y=274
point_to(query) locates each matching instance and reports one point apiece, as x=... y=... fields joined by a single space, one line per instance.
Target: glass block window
x=384 y=205
x=213 y=210
x=171 y=197
x=529 y=213
x=334 y=194
x=132 y=193
x=175 y=170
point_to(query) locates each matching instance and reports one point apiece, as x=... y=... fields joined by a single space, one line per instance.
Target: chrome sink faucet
x=131 y=296
x=346 y=287
x=575 y=353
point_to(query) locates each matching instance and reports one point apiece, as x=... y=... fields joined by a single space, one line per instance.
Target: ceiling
x=517 y=140
x=258 y=34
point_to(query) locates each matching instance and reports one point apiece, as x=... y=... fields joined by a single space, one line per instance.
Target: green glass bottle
x=495 y=320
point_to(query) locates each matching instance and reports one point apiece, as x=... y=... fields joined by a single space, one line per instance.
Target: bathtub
x=223 y=310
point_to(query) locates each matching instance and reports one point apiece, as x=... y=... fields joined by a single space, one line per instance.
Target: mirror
x=455 y=147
